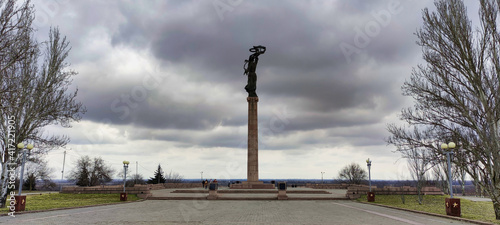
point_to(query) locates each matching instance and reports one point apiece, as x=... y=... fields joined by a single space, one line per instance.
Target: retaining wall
x=356 y=191
x=327 y=186
x=142 y=190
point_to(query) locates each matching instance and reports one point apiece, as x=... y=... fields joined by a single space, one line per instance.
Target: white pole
x=449 y=173
x=62 y=172
x=22 y=172
x=125 y=177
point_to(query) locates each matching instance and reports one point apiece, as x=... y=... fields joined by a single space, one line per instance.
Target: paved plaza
x=229 y=212
x=225 y=193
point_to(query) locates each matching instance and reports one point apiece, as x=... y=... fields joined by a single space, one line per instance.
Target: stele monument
x=253 y=141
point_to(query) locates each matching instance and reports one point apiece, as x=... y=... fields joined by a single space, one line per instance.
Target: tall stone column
x=253 y=141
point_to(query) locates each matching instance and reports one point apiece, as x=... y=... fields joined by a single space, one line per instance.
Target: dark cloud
x=200 y=59
x=183 y=62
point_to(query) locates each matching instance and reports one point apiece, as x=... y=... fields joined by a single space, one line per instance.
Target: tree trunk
x=4 y=185
x=496 y=206
x=419 y=192
x=493 y=190
x=420 y=198
x=463 y=183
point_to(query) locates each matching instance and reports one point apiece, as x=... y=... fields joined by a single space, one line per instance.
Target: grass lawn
x=482 y=211
x=57 y=200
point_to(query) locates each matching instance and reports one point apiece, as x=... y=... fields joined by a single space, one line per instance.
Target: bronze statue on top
x=250 y=66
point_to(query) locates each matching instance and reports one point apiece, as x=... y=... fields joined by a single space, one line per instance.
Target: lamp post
x=369 y=164
x=125 y=167
x=452 y=204
x=21 y=146
x=451 y=146
x=322 y=177
x=62 y=172
x=20 y=201
x=371 y=195
x=201 y=175
x=123 y=196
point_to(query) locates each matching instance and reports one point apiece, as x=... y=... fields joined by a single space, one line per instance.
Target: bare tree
x=38 y=97
x=15 y=32
x=418 y=148
x=33 y=94
x=440 y=174
x=173 y=177
x=419 y=162
x=353 y=174
x=138 y=179
x=457 y=91
x=132 y=179
x=477 y=181
x=37 y=169
x=460 y=170
x=91 y=172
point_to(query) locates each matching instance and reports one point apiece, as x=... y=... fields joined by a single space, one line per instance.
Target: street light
x=322 y=177
x=371 y=195
x=21 y=146
x=125 y=167
x=369 y=164
x=201 y=175
x=453 y=207
x=451 y=146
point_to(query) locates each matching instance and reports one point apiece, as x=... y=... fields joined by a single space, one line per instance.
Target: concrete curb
x=76 y=207
x=258 y=191
x=432 y=214
x=256 y=198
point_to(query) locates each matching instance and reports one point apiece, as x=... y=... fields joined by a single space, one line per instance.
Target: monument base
x=212 y=195
x=252 y=185
x=282 y=195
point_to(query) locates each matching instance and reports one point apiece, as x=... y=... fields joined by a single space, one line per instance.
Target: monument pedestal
x=282 y=191
x=212 y=195
x=282 y=195
x=253 y=141
x=253 y=151
x=212 y=191
x=252 y=185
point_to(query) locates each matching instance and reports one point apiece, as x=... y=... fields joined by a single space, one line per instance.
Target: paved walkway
x=230 y=212
x=475 y=199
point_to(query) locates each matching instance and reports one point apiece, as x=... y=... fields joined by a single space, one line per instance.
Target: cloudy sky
x=163 y=83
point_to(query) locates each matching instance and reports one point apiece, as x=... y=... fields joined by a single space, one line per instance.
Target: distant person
x=206 y=184
x=203 y=183
x=216 y=185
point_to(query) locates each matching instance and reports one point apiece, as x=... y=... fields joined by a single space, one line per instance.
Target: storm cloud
x=171 y=73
